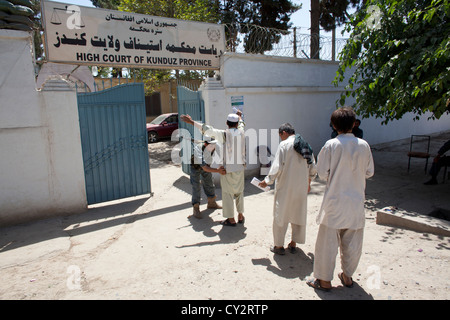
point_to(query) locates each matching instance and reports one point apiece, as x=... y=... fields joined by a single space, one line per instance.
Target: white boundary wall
x=41 y=166
x=276 y=90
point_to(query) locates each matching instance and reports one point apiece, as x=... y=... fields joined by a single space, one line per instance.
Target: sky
x=301 y=18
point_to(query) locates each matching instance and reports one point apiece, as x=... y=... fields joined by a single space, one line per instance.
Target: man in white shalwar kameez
x=292 y=175
x=345 y=163
x=230 y=149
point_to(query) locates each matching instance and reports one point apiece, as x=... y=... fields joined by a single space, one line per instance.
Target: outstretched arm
x=187 y=118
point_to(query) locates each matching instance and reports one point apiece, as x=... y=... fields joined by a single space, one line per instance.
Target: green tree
x=37 y=31
x=194 y=10
x=334 y=13
x=106 y=4
x=239 y=15
x=329 y=14
x=399 y=55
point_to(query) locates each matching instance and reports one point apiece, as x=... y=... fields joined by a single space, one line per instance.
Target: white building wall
x=276 y=90
x=41 y=162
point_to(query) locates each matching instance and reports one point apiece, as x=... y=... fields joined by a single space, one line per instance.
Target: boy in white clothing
x=345 y=163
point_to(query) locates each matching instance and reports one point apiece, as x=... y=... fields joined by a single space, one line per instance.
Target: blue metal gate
x=114 y=142
x=189 y=102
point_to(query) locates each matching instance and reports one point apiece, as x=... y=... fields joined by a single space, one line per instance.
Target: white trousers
x=232 y=185
x=228 y=201
x=328 y=241
x=279 y=233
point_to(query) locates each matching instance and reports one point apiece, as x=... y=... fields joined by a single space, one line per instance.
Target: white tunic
x=230 y=147
x=345 y=163
x=291 y=173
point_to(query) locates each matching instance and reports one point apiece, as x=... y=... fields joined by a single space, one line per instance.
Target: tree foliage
x=106 y=4
x=399 y=53
x=239 y=15
x=329 y=14
x=333 y=13
x=37 y=27
x=194 y=10
x=265 y=13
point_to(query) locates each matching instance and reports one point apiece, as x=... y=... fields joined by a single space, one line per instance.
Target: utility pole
x=333 y=44
x=295 y=42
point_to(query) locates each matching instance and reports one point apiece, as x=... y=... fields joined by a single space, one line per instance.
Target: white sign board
x=237 y=103
x=92 y=36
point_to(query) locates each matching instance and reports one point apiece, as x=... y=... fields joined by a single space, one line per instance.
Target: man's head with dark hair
x=286 y=127
x=343 y=119
x=232 y=124
x=285 y=131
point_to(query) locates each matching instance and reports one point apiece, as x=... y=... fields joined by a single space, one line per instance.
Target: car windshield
x=159 y=119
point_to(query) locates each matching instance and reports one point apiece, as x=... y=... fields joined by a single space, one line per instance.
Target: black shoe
x=431 y=182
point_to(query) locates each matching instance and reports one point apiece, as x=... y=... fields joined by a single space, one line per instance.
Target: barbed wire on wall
x=246 y=38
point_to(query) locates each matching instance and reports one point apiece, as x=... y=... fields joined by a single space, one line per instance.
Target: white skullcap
x=232 y=117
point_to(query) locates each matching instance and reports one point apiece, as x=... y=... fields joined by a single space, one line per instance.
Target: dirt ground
x=149 y=247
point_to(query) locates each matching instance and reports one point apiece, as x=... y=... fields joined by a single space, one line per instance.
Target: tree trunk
x=315 y=31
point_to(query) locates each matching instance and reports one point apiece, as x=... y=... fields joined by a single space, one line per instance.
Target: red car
x=162 y=126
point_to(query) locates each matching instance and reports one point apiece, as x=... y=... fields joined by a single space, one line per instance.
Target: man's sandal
x=278 y=250
x=228 y=223
x=341 y=277
x=292 y=249
x=316 y=285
